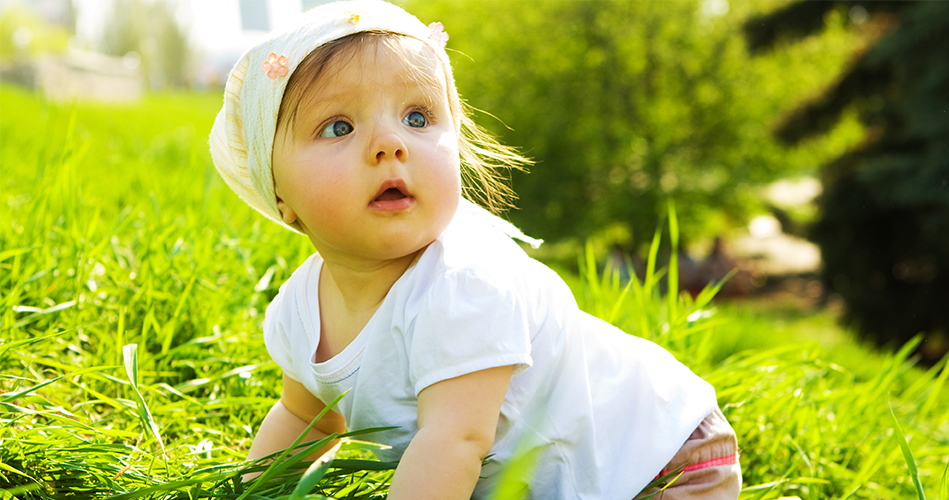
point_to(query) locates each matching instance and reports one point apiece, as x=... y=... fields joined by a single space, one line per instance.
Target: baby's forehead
x=395 y=61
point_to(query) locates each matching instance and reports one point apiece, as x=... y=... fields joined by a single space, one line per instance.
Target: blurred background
x=803 y=144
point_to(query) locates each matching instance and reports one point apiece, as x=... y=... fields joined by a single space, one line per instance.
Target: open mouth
x=391 y=194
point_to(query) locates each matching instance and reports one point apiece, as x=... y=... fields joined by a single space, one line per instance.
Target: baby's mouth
x=393 y=196
x=390 y=195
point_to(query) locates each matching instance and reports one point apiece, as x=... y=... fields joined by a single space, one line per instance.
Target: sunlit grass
x=116 y=230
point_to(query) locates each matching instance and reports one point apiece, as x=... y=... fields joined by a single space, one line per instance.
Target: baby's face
x=370 y=165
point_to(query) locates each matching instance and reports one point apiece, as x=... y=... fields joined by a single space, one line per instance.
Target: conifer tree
x=883 y=224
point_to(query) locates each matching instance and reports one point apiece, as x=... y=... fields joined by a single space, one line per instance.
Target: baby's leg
x=711 y=468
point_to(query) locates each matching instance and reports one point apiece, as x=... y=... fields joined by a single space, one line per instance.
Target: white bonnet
x=243 y=132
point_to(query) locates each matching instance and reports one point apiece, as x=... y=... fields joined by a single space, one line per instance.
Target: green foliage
x=627 y=104
x=884 y=215
x=44 y=37
x=117 y=231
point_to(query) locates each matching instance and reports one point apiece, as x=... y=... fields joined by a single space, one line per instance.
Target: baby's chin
x=392 y=247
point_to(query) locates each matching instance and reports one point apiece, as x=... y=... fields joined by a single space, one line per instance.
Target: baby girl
x=418 y=304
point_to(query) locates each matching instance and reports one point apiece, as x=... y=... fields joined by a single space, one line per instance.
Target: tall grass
x=116 y=230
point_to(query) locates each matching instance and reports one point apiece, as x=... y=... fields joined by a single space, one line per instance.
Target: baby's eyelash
x=329 y=121
x=425 y=110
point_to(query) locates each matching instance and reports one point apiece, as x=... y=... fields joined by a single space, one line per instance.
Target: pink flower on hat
x=438 y=34
x=275 y=66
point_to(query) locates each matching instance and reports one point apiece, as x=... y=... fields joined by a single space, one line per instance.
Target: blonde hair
x=484 y=161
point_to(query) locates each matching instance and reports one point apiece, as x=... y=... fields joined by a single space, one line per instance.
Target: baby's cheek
x=449 y=183
x=328 y=196
x=449 y=161
x=448 y=143
x=451 y=196
x=330 y=184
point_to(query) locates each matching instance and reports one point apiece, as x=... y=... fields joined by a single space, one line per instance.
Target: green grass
x=115 y=230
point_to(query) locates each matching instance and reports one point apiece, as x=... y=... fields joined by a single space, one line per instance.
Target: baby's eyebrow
x=320 y=104
x=324 y=97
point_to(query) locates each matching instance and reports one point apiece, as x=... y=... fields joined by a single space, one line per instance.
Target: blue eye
x=338 y=128
x=415 y=119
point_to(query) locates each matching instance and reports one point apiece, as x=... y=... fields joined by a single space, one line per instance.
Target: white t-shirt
x=604 y=410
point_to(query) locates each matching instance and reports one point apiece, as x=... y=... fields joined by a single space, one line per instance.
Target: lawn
x=117 y=231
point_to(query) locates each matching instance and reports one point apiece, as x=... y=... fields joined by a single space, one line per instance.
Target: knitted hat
x=243 y=132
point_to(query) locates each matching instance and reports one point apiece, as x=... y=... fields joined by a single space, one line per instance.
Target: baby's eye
x=415 y=119
x=338 y=128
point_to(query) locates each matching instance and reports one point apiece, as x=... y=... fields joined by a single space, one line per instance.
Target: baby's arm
x=457 y=419
x=289 y=417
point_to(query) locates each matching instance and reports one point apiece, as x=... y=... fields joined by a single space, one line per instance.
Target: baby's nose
x=388 y=145
x=396 y=153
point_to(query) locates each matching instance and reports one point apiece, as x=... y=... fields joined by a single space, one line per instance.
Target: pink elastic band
x=729 y=460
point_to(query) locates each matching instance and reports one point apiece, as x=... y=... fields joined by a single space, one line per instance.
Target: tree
x=623 y=105
x=151 y=30
x=883 y=226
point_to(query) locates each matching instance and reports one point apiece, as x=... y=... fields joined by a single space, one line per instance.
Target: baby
x=348 y=129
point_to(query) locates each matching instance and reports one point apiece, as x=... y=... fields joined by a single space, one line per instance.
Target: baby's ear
x=286 y=213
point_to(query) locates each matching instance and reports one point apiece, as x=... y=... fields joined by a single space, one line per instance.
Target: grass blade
x=130 y=353
x=6 y=398
x=943 y=485
x=313 y=474
x=672 y=295
x=277 y=463
x=650 y=279
x=13 y=492
x=908 y=455
x=662 y=482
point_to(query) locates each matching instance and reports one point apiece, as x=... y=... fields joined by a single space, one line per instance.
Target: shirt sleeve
x=277 y=335
x=467 y=324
